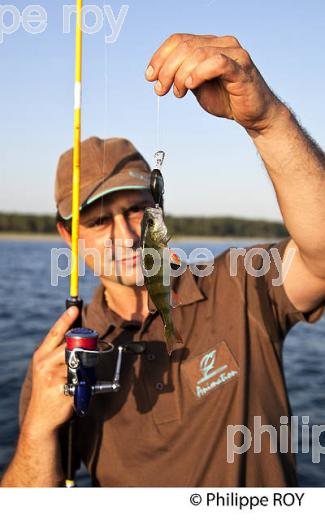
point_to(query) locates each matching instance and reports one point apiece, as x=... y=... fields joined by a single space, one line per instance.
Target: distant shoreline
x=19 y=226
x=39 y=237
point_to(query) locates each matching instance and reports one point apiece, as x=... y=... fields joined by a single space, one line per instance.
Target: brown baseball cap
x=105 y=166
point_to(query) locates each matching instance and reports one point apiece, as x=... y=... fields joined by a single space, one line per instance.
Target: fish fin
x=174 y=259
x=151 y=306
x=164 y=242
x=175 y=300
x=172 y=336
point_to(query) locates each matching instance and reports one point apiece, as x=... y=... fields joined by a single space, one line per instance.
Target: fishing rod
x=74 y=279
x=83 y=347
x=74 y=299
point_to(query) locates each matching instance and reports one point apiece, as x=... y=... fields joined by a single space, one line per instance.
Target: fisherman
x=169 y=423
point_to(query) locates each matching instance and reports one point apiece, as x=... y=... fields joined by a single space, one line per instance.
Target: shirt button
x=151 y=357
x=159 y=386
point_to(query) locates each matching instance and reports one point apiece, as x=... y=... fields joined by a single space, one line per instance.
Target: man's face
x=111 y=231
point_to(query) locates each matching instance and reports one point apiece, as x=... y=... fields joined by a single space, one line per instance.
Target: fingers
x=182 y=54
x=56 y=335
x=203 y=64
x=57 y=356
x=186 y=43
x=51 y=364
x=160 y=56
x=217 y=66
x=189 y=67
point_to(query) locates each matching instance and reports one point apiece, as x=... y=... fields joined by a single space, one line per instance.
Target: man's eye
x=134 y=211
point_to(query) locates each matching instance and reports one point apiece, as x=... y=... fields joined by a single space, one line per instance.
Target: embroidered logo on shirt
x=208 y=371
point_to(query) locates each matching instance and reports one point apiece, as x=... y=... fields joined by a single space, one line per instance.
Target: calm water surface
x=29 y=306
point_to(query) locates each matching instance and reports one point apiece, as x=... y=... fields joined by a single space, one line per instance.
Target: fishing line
x=158 y=123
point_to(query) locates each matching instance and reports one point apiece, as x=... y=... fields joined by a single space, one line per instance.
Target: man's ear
x=64 y=233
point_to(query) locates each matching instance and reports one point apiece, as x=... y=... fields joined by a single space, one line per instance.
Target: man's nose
x=122 y=230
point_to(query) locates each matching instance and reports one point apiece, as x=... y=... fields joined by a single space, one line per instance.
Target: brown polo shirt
x=167 y=426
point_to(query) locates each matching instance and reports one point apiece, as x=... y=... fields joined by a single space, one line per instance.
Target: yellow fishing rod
x=74 y=279
x=74 y=299
x=74 y=276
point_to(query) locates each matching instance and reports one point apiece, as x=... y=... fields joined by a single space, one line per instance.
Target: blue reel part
x=83 y=390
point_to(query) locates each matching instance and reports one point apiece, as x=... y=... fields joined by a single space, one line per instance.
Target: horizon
x=197 y=216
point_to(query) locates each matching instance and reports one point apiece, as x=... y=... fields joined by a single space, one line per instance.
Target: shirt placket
x=159 y=372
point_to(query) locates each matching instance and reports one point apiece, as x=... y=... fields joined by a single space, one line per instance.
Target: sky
x=211 y=167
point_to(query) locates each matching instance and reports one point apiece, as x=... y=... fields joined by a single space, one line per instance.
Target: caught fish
x=154 y=235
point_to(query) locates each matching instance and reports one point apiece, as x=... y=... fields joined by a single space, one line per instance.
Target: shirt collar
x=97 y=315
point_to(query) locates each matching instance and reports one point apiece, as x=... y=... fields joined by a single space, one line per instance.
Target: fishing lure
x=157 y=181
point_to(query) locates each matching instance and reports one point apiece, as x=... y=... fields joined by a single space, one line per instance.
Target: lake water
x=29 y=306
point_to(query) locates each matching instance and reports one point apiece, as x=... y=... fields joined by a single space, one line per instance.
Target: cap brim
x=118 y=183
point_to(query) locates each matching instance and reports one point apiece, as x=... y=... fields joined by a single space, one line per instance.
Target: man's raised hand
x=220 y=73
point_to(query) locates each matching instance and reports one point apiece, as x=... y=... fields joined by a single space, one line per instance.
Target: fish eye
x=150 y=222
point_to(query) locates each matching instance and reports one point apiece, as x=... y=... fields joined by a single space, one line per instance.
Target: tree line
x=185 y=226
x=224 y=227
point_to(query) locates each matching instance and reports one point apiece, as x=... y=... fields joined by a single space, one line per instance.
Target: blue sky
x=212 y=167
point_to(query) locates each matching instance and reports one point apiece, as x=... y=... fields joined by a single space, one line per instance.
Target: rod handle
x=75 y=301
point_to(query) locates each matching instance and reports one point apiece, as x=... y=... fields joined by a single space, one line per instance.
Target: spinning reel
x=82 y=355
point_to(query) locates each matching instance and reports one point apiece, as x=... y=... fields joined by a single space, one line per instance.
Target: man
x=168 y=425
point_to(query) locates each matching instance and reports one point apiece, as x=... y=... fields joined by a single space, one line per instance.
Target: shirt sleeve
x=285 y=312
